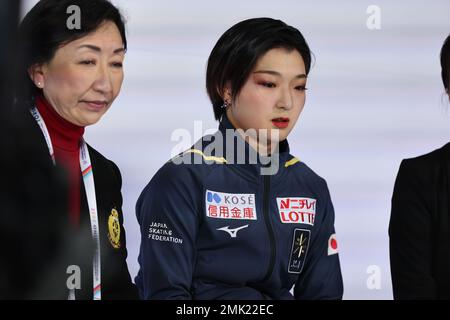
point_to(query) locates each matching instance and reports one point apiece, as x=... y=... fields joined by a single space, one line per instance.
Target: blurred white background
x=375 y=97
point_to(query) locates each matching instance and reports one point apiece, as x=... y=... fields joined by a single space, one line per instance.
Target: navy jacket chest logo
x=235 y=206
x=297 y=210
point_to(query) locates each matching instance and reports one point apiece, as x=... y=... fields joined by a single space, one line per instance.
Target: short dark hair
x=445 y=64
x=237 y=51
x=44 y=29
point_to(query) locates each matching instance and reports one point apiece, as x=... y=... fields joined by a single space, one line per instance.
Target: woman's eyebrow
x=275 y=73
x=98 y=49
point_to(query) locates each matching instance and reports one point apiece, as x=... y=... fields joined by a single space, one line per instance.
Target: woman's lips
x=96 y=105
x=280 y=123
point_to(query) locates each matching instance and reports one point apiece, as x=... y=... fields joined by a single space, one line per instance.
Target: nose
x=103 y=81
x=285 y=100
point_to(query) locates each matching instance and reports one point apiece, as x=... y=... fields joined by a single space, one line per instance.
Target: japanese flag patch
x=332 y=245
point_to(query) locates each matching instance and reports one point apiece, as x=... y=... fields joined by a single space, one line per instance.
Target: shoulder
x=418 y=177
x=304 y=173
x=426 y=167
x=193 y=163
x=103 y=165
x=427 y=161
x=183 y=174
x=184 y=171
x=175 y=187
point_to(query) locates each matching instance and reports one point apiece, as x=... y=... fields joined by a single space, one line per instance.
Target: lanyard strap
x=37 y=116
x=89 y=186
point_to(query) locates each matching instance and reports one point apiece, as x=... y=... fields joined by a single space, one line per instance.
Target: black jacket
x=419 y=228
x=116 y=280
x=77 y=244
x=33 y=196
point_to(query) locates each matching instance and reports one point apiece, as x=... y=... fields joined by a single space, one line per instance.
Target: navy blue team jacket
x=215 y=229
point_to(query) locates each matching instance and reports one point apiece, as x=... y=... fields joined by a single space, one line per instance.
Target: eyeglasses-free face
x=85 y=76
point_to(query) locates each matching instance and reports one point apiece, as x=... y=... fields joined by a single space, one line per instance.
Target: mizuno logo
x=232 y=232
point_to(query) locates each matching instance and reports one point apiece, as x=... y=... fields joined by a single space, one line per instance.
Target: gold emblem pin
x=114 y=229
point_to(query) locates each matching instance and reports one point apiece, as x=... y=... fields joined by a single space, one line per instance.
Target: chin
x=282 y=134
x=90 y=121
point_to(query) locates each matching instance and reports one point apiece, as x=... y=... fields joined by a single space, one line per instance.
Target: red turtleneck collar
x=66 y=138
x=64 y=135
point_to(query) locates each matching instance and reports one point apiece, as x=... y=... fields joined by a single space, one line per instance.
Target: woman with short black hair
x=236 y=216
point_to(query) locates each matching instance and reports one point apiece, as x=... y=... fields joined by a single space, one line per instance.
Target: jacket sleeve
x=167 y=211
x=410 y=236
x=321 y=275
x=117 y=274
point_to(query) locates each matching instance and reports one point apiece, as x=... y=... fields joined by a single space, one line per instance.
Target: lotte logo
x=297 y=210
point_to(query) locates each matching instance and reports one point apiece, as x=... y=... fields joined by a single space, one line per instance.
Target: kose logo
x=238 y=206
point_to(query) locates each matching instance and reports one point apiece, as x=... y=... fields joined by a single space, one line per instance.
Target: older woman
x=72 y=73
x=419 y=228
x=237 y=216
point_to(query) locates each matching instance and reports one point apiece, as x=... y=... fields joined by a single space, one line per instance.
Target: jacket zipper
x=266 y=204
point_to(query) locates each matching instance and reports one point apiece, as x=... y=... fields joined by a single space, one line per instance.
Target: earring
x=225 y=105
x=39 y=85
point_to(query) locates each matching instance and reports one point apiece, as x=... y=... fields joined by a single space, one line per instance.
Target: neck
x=262 y=142
x=64 y=135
